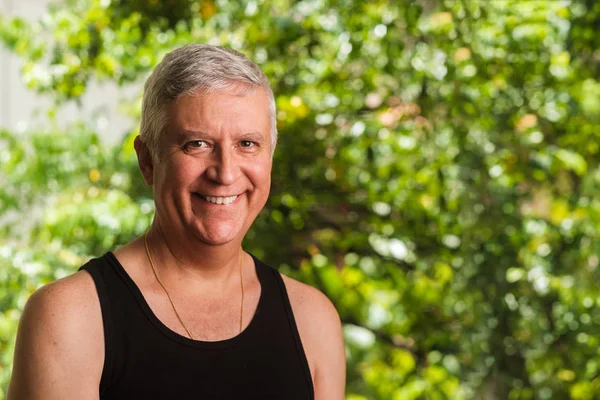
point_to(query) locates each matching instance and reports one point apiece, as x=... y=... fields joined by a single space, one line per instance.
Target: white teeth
x=220 y=200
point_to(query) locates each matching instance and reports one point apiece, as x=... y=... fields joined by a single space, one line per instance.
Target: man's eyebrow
x=187 y=134
x=254 y=136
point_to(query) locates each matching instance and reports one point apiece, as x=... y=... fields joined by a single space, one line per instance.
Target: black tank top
x=144 y=359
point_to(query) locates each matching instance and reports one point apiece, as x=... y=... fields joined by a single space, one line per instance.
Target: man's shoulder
x=71 y=294
x=317 y=318
x=65 y=309
x=59 y=348
x=309 y=300
x=320 y=330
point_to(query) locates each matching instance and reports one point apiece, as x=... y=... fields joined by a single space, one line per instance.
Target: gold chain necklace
x=169 y=297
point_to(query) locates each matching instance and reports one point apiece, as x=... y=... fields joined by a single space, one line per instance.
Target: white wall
x=22 y=110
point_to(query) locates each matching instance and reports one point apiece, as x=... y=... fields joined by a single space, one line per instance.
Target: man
x=183 y=312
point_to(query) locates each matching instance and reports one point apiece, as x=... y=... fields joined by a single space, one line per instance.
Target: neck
x=192 y=263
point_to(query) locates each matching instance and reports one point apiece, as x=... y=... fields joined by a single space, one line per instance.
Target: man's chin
x=217 y=237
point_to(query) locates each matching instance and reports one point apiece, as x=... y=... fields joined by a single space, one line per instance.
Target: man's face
x=214 y=171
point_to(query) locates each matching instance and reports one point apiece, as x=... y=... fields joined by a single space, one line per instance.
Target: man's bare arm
x=330 y=369
x=59 y=352
x=320 y=330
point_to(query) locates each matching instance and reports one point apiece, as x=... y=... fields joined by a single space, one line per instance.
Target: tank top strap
x=96 y=268
x=282 y=301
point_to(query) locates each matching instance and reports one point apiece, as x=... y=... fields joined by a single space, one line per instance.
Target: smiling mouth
x=218 y=200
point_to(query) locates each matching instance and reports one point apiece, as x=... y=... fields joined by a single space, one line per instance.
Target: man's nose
x=224 y=168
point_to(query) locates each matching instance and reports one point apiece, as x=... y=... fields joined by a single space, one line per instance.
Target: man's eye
x=195 y=144
x=247 y=143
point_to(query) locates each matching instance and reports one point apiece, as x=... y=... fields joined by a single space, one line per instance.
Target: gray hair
x=198 y=69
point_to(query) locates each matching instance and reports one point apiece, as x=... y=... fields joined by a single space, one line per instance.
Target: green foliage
x=436 y=176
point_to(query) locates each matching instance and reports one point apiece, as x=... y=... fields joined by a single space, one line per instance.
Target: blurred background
x=436 y=175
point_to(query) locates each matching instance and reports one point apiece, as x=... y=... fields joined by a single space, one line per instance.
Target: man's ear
x=144 y=160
